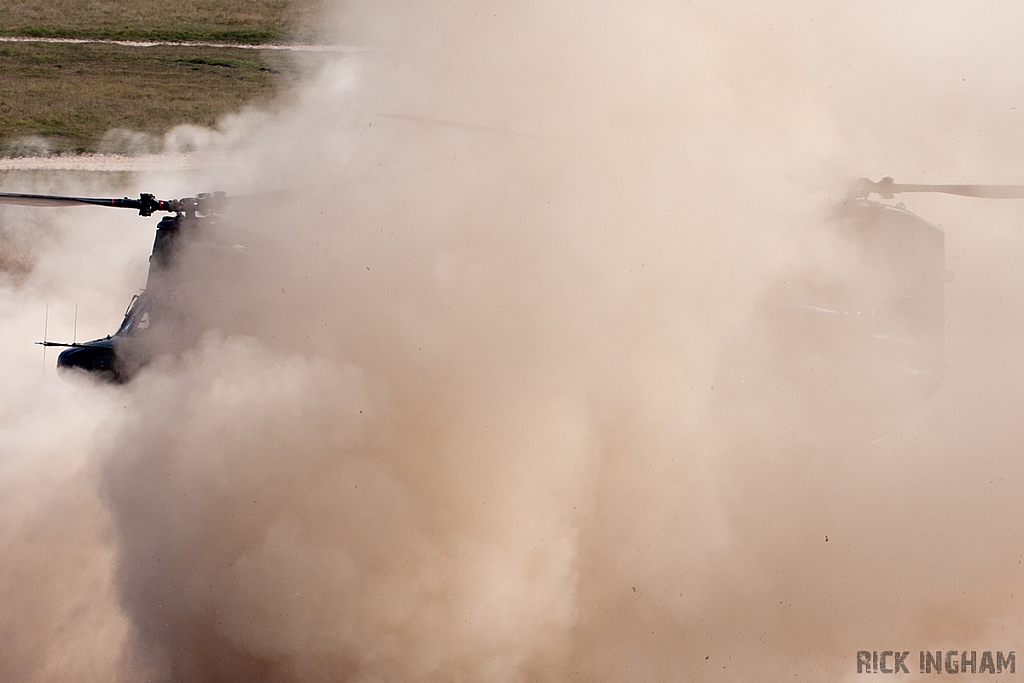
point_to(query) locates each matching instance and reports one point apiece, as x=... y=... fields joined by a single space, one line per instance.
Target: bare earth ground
x=109 y=163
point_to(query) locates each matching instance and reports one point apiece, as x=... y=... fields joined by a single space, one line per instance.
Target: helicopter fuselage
x=153 y=323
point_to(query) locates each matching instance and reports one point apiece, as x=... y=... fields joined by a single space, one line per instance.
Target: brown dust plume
x=491 y=428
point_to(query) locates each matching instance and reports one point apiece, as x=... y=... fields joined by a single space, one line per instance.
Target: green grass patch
x=68 y=97
x=238 y=21
x=73 y=94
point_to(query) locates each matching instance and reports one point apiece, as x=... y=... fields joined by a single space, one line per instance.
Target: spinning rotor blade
x=886 y=189
x=203 y=204
x=982 y=191
x=146 y=204
x=42 y=200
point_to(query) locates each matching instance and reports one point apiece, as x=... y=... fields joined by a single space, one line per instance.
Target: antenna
x=74 y=334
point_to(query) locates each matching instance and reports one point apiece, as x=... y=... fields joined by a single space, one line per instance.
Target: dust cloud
x=494 y=428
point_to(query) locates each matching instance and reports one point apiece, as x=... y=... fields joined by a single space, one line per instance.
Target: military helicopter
x=182 y=288
x=900 y=259
x=876 y=320
x=859 y=332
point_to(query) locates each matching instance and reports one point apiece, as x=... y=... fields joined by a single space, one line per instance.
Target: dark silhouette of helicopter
x=174 y=308
x=858 y=333
x=878 y=321
x=900 y=274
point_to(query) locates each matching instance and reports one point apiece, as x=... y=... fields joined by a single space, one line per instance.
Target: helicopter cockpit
x=136 y=317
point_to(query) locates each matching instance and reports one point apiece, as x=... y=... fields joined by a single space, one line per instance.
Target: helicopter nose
x=96 y=360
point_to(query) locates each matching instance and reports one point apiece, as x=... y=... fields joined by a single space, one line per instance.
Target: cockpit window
x=136 y=318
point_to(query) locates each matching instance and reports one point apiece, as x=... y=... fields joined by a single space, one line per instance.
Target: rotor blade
x=886 y=189
x=146 y=204
x=256 y=200
x=52 y=200
x=982 y=191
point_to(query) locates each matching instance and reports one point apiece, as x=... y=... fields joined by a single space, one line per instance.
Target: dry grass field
x=71 y=96
x=67 y=97
x=247 y=21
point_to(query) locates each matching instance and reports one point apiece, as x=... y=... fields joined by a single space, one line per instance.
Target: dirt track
x=290 y=47
x=110 y=162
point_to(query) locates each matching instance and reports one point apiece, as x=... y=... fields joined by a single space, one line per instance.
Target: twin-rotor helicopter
x=887 y=307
